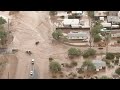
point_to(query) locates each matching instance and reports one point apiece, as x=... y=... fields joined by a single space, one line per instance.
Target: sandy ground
x=27 y=28
x=10 y=69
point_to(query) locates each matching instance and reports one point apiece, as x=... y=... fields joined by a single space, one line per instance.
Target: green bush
x=54 y=67
x=89 y=52
x=104 y=77
x=118 y=41
x=110 y=56
x=57 y=34
x=97 y=38
x=74 y=52
x=2 y=21
x=90 y=66
x=117 y=71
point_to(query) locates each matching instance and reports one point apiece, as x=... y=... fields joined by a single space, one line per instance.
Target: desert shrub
x=110 y=56
x=118 y=41
x=104 y=77
x=80 y=71
x=68 y=65
x=50 y=59
x=74 y=63
x=117 y=71
x=54 y=76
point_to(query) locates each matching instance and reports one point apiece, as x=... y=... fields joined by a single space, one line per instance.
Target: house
x=100 y=13
x=78 y=35
x=113 y=19
x=113 y=13
x=71 y=22
x=115 y=35
x=78 y=13
x=109 y=25
x=106 y=25
x=99 y=64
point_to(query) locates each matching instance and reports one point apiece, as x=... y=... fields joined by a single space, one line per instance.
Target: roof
x=113 y=19
x=113 y=13
x=98 y=63
x=61 y=13
x=77 y=34
x=71 y=21
x=79 y=12
x=100 y=13
x=106 y=24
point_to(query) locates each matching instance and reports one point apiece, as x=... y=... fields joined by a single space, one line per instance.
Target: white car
x=33 y=61
x=31 y=73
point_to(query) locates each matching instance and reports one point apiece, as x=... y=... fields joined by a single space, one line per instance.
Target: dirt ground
x=26 y=33
x=3 y=62
x=27 y=28
x=11 y=66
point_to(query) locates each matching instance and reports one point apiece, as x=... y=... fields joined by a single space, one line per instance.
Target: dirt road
x=27 y=28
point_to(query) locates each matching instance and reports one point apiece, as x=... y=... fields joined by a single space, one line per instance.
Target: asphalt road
x=35 y=70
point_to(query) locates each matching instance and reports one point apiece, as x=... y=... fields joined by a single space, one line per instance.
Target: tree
x=96 y=29
x=74 y=52
x=117 y=71
x=89 y=65
x=2 y=21
x=3 y=35
x=97 y=38
x=55 y=67
x=110 y=56
x=89 y=52
x=57 y=34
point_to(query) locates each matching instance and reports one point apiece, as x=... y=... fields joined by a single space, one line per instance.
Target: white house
x=71 y=22
x=78 y=35
x=115 y=35
x=99 y=64
x=105 y=25
x=77 y=12
x=100 y=13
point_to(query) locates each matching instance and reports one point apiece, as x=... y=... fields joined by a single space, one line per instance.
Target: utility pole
x=8 y=75
x=90 y=31
x=8 y=24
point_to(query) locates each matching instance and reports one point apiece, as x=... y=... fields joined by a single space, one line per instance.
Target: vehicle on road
x=31 y=73
x=32 y=61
